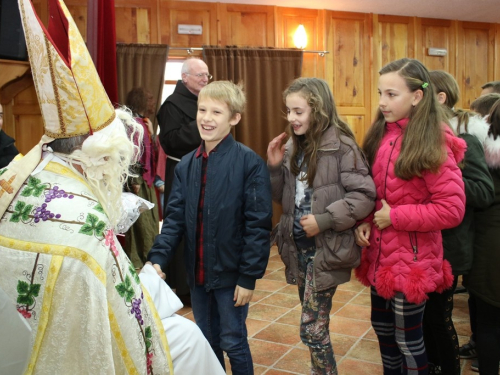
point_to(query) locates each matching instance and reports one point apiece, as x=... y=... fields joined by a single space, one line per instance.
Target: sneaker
x=468 y=350
x=474 y=365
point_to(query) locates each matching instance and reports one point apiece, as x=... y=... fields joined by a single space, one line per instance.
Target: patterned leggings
x=398 y=325
x=315 y=317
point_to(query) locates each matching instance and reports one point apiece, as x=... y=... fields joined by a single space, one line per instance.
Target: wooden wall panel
x=136 y=21
x=437 y=34
x=358 y=125
x=475 y=59
x=173 y=13
x=247 y=25
x=26 y=111
x=348 y=67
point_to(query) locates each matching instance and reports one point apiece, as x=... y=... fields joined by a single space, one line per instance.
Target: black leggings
x=440 y=337
x=488 y=337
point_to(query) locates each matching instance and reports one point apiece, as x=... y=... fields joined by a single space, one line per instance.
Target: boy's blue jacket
x=236 y=217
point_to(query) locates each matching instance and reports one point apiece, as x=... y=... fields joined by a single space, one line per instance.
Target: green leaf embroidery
x=125 y=289
x=34 y=187
x=99 y=208
x=27 y=292
x=134 y=274
x=148 y=332
x=3 y=171
x=93 y=225
x=22 y=212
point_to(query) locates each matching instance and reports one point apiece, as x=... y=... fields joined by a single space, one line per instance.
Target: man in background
x=178 y=136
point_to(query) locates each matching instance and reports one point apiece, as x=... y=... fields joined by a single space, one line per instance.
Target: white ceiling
x=463 y=10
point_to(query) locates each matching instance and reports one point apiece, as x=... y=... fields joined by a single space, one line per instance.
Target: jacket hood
x=477 y=127
x=457 y=145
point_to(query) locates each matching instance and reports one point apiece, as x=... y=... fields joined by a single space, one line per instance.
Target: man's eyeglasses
x=201 y=75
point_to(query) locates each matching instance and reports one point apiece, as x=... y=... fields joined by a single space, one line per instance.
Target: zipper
x=377 y=262
x=414 y=245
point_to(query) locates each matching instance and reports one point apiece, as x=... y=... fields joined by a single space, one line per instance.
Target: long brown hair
x=444 y=82
x=323 y=116
x=423 y=139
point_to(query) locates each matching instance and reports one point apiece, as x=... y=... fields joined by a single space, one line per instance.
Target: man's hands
x=158 y=269
x=242 y=296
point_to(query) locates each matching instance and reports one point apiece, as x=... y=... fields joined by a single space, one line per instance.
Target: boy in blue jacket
x=221 y=203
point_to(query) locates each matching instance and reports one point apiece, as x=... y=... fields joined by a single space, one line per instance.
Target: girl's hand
x=310 y=225
x=362 y=234
x=149 y=124
x=276 y=150
x=382 y=218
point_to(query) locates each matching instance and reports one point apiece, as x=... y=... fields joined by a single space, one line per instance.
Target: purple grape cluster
x=54 y=193
x=136 y=309
x=41 y=213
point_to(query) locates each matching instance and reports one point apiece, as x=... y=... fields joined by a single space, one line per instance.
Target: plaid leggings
x=315 y=317
x=398 y=325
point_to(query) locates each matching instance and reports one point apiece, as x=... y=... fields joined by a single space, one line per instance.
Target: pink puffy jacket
x=408 y=255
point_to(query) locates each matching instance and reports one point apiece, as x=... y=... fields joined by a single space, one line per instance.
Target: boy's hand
x=310 y=225
x=362 y=234
x=382 y=218
x=276 y=150
x=158 y=269
x=242 y=296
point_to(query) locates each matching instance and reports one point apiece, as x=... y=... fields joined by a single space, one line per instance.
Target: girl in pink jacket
x=420 y=191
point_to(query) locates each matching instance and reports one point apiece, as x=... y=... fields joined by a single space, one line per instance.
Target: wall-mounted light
x=300 y=37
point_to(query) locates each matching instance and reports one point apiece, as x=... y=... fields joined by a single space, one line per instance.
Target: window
x=172 y=75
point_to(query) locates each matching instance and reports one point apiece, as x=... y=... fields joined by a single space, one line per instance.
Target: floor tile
x=355 y=312
x=282 y=299
x=267 y=353
x=279 y=333
x=297 y=361
x=349 y=366
x=276 y=275
x=291 y=318
x=269 y=285
x=254 y=326
x=350 y=327
x=366 y=350
x=266 y=312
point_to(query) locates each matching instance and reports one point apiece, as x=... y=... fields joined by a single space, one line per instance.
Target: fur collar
x=492 y=151
x=477 y=126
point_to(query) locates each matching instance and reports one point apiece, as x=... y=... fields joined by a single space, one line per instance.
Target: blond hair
x=225 y=92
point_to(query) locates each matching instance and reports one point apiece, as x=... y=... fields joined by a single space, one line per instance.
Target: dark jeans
x=488 y=337
x=223 y=326
x=441 y=341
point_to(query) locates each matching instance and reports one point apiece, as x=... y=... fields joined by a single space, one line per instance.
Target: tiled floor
x=273 y=327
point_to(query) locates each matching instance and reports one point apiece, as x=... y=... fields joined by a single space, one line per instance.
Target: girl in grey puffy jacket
x=322 y=181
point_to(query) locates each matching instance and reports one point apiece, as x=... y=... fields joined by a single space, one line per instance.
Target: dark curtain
x=265 y=73
x=142 y=65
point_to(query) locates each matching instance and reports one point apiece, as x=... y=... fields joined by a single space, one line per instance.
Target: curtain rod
x=191 y=49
